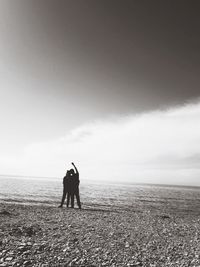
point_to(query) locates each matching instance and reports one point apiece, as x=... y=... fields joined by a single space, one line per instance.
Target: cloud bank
x=156 y=147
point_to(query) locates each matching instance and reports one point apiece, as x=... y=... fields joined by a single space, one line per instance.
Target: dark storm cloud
x=127 y=55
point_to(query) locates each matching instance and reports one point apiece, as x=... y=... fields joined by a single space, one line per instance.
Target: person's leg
x=63 y=198
x=68 y=199
x=72 y=200
x=78 y=199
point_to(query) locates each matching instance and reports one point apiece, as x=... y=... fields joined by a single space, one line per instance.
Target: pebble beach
x=98 y=235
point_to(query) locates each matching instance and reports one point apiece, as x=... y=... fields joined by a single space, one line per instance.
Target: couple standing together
x=71 y=187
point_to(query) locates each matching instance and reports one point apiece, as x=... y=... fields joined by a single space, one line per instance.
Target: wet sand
x=98 y=236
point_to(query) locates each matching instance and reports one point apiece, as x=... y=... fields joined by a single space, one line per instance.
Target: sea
x=107 y=195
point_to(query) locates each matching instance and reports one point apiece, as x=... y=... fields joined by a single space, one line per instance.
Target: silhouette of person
x=67 y=189
x=75 y=186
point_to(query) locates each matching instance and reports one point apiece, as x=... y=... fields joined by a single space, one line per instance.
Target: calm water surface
x=49 y=192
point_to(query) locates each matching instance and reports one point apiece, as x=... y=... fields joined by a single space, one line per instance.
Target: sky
x=111 y=85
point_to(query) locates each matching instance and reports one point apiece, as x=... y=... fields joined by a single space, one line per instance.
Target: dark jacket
x=67 y=183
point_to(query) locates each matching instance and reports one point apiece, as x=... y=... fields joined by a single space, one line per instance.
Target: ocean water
x=108 y=195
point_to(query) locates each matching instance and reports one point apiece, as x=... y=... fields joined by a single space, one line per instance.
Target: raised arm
x=75 y=168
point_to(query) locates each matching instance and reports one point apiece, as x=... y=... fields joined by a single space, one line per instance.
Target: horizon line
x=108 y=181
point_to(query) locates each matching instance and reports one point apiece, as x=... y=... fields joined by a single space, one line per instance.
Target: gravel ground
x=97 y=236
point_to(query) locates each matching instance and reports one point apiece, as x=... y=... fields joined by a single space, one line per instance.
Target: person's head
x=71 y=171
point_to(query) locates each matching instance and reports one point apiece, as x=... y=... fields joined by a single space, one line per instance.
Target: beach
x=99 y=235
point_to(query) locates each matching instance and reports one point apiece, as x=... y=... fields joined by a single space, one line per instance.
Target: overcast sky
x=100 y=69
